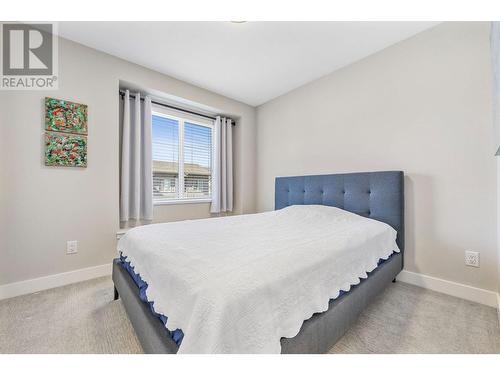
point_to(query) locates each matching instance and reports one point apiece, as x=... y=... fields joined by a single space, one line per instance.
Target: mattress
x=239 y=284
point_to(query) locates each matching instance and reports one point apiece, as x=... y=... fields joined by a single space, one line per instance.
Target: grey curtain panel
x=222 y=175
x=495 y=63
x=136 y=177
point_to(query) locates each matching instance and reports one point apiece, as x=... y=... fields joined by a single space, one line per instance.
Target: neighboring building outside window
x=182 y=146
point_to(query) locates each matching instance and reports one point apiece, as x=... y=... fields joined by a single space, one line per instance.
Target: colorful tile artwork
x=66 y=133
x=67 y=150
x=66 y=117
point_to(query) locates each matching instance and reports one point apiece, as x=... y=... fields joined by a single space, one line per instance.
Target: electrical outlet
x=71 y=247
x=472 y=258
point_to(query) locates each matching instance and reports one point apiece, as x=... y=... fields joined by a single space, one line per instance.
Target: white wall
x=43 y=207
x=422 y=106
x=498 y=235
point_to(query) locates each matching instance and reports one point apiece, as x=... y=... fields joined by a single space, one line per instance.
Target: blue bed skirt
x=176 y=335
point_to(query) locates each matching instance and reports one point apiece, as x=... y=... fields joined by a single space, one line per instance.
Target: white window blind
x=181 y=147
x=197 y=161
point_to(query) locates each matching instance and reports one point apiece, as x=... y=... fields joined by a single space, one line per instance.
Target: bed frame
x=377 y=195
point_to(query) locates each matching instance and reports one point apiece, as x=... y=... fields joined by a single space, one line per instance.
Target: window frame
x=181 y=118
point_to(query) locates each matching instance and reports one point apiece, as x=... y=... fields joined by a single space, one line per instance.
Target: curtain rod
x=122 y=94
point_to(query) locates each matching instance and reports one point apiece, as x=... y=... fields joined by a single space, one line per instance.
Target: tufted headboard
x=377 y=195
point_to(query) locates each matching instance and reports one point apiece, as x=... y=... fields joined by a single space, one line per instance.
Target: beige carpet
x=83 y=318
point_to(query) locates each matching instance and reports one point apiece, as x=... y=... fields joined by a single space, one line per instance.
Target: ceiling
x=252 y=62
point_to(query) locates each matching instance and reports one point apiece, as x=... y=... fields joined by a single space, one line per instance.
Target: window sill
x=121 y=232
x=181 y=201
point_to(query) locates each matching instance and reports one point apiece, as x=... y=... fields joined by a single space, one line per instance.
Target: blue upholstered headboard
x=377 y=195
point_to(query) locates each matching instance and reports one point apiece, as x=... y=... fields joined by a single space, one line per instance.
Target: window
x=182 y=146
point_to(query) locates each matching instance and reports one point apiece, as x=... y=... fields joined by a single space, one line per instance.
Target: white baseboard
x=470 y=293
x=53 y=281
x=483 y=296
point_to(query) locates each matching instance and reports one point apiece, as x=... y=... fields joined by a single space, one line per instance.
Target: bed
x=378 y=196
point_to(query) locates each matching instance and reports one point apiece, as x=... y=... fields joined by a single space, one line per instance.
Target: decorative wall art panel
x=64 y=116
x=65 y=150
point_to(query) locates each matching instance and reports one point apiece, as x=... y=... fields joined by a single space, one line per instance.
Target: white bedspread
x=238 y=284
